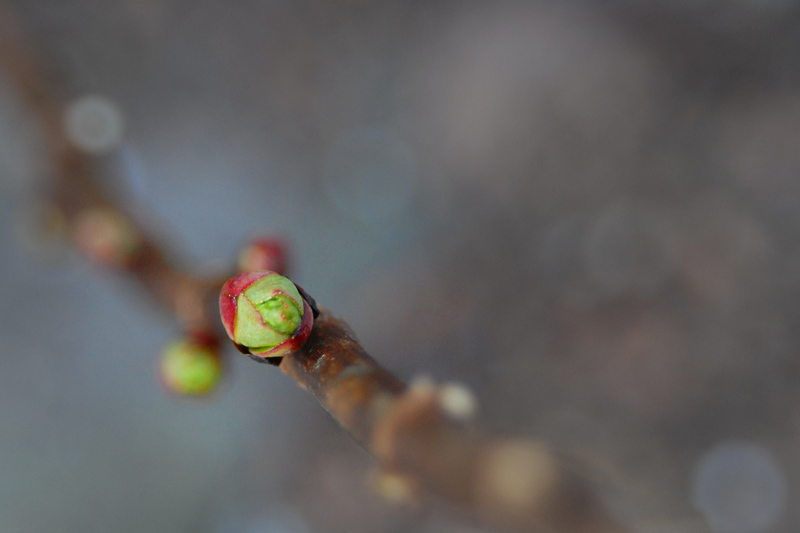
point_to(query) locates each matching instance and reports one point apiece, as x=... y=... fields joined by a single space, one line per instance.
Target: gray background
x=588 y=215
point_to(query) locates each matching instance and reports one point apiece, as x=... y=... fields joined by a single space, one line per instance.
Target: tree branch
x=517 y=484
x=89 y=216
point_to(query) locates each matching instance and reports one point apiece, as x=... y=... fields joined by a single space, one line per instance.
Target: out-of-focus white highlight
x=458 y=401
x=739 y=488
x=94 y=124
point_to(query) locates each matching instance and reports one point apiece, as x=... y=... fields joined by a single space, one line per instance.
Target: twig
x=517 y=484
x=75 y=194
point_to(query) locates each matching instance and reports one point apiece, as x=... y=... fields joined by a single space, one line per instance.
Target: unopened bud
x=191 y=366
x=264 y=254
x=395 y=487
x=106 y=236
x=264 y=314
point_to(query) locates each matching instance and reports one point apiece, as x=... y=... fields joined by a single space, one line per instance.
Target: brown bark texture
x=516 y=484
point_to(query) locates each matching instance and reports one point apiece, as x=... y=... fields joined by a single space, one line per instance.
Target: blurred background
x=587 y=214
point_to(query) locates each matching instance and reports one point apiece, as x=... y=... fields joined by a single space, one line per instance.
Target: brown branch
x=520 y=485
x=516 y=484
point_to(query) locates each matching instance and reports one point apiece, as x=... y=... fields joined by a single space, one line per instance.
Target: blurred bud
x=264 y=314
x=191 y=366
x=395 y=487
x=264 y=254
x=515 y=476
x=106 y=236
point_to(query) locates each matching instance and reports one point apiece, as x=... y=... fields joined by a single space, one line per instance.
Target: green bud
x=265 y=314
x=191 y=366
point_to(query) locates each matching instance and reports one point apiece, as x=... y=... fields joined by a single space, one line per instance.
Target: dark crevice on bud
x=274 y=361
x=311 y=302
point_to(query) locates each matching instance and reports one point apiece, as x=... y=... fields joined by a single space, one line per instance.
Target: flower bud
x=264 y=314
x=191 y=366
x=106 y=236
x=264 y=254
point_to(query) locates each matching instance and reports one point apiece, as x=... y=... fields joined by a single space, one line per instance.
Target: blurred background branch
x=76 y=206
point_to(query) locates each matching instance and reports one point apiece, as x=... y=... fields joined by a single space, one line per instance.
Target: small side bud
x=264 y=254
x=515 y=476
x=106 y=236
x=265 y=315
x=191 y=366
x=395 y=487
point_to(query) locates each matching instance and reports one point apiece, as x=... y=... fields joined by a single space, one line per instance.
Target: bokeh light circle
x=739 y=488
x=94 y=124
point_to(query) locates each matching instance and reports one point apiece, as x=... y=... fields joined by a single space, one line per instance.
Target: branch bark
x=516 y=484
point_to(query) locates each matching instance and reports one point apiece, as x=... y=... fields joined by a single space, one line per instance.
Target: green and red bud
x=264 y=254
x=265 y=314
x=191 y=365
